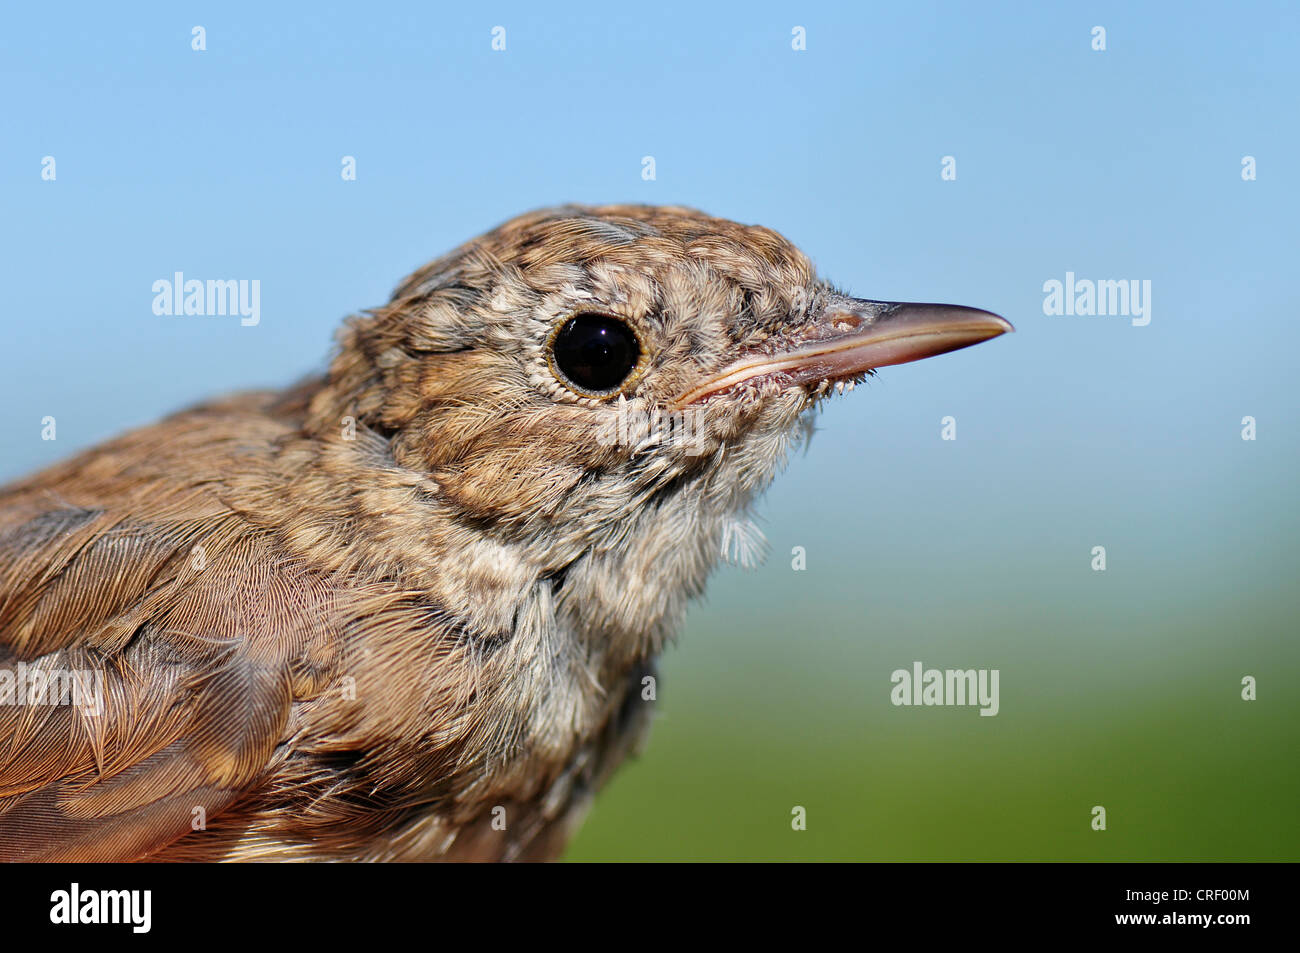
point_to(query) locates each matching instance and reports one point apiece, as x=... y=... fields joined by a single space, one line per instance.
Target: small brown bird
x=405 y=610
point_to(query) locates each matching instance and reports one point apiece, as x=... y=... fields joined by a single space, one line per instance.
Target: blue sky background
x=1075 y=432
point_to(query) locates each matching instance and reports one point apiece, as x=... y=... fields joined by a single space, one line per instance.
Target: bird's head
x=606 y=389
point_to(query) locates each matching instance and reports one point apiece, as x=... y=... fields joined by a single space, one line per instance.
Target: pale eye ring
x=594 y=354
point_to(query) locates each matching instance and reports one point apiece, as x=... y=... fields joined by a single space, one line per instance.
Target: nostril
x=846 y=322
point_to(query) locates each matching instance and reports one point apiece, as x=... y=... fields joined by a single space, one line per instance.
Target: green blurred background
x=1119 y=688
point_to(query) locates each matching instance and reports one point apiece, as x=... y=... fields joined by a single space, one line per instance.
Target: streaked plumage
x=348 y=620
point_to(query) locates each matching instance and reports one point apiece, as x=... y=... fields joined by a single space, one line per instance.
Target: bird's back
x=185 y=687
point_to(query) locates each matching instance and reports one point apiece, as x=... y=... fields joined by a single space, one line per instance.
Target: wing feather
x=164 y=630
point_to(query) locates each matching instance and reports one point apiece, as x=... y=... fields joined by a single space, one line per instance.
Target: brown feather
x=361 y=618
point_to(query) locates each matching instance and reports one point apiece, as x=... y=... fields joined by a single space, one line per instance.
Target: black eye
x=595 y=352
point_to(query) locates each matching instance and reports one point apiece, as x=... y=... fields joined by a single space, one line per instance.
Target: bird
x=407 y=609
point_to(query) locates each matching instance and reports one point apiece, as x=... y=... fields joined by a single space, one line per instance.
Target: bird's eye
x=594 y=353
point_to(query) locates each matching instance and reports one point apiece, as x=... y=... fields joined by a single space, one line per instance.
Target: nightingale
x=408 y=609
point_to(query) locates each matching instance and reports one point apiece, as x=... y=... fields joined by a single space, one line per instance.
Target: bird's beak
x=850 y=336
